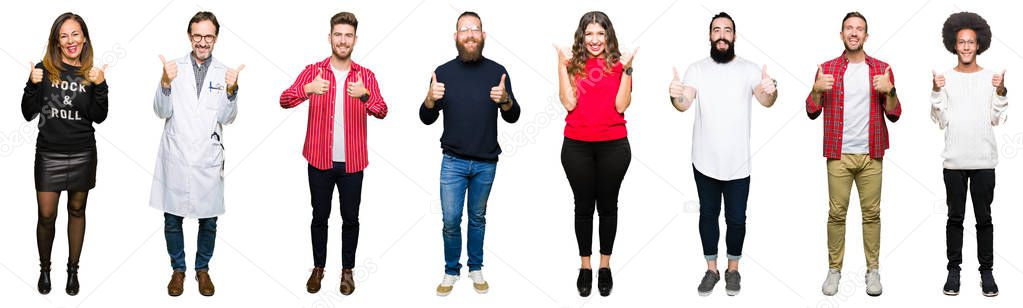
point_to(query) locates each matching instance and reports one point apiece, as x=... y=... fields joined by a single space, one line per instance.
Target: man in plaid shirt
x=855 y=92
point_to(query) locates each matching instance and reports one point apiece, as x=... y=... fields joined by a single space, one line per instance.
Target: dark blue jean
x=321 y=190
x=176 y=241
x=735 y=193
x=459 y=177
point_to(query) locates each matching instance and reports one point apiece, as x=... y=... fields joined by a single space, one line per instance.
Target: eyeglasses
x=468 y=29
x=208 y=38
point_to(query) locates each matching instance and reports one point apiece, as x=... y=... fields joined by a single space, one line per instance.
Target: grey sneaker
x=710 y=278
x=873 y=282
x=831 y=283
x=732 y=282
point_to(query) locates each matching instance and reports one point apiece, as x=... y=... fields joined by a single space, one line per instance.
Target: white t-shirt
x=856 y=109
x=339 y=114
x=721 y=129
x=967 y=108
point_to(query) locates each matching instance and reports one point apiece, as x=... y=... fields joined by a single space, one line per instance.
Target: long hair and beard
x=467 y=56
x=722 y=56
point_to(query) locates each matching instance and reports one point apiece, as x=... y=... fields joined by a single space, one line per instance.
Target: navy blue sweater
x=470 y=116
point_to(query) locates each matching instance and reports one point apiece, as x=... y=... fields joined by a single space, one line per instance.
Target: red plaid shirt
x=834 y=101
x=319 y=137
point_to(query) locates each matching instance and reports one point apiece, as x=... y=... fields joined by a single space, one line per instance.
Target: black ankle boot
x=44 y=277
x=585 y=282
x=604 y=282
x=72 y=279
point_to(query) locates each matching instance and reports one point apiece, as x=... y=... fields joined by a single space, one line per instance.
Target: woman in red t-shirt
x=596 y=87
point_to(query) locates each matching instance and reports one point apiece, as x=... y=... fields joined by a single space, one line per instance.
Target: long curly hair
x=52 y=60
x=577 y=65
x=966 y=20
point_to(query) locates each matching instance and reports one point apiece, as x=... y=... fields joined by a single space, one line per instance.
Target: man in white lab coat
x=189 y=174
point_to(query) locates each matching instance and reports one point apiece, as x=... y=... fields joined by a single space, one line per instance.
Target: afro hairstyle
x=966 y=20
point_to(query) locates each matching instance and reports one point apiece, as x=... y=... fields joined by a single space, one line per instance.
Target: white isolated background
x=263 y=253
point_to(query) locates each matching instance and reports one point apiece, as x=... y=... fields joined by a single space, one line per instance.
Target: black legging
x=46 y=225
x=595 y=171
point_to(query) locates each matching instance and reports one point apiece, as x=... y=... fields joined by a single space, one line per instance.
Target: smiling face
x=71 y=40
x=342 y=41
x=595 y=37
x=966 y=46
x=469 y=38
x=203 y=35
x=722 y=34
x=854 y=34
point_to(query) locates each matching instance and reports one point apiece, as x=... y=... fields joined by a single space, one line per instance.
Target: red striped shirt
x=833 y=103
x=319 y=137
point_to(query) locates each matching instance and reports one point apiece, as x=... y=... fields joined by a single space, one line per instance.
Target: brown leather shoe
x=313 y=285
x=177 y=284
x=205 y=284
x=347 y=283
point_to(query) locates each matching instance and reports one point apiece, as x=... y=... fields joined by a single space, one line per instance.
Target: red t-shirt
x=594 y=117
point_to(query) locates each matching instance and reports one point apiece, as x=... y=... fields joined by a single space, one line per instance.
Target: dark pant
x=595 y=171
x=735 y=193
x=982 y=188
x=321 y=189
x=205 y=241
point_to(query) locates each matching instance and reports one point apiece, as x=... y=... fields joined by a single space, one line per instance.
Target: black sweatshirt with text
x=66 y=109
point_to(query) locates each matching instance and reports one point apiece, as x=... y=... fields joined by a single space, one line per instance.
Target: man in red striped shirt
x=855 y=92
x=341 y=94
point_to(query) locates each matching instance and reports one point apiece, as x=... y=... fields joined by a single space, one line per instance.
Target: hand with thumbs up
x=678 y=90
x=824 y=82
x=938 y=80
x=36 y=76
x=319 y=85
x=435 y=93
x=231 y=78
x=767 y=86
x=170 y=71
x=357 y=89
x=498 y=93
x=97 y=75
x=998 y=81
x=627 y=58
x=883 y=83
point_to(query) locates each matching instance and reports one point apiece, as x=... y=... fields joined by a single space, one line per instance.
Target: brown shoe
x=313 y=285
x=205 y=284
x=347 y=283
x=177 y=284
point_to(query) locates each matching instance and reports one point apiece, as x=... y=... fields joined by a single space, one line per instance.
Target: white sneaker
x=446 y=285
x=873 y=282
x=831 y=283
x=478 y=283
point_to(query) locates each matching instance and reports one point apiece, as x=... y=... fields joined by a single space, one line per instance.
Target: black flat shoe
x=585 y=282
x=72 y=279
x=604 y=282
x=44 y=278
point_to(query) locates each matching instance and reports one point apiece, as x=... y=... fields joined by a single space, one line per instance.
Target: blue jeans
x=457 y=176
x=176 y=241
x=736 y=194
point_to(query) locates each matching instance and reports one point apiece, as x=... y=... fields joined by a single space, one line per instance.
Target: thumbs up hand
x=627 y=58
x=231 y=77
x=939 y=81
x=678 y=89
x=998 y=81
x=767 y=84
x=436 y=91
x=357 y=89
x=824 y=82
x=498 y=93
x=97 y=75
x=36 y=75
x=319 y=85
x=883 y=83
x=170 y=71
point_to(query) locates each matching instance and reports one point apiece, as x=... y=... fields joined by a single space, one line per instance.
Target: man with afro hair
x=967 y=102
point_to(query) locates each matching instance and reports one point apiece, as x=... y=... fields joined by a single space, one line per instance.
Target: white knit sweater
x=967 y=108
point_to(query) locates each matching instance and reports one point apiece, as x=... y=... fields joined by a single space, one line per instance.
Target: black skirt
x=65 y=171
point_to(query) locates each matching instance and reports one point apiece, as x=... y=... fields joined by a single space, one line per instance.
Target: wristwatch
x=628 y=71
x=892 y=92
